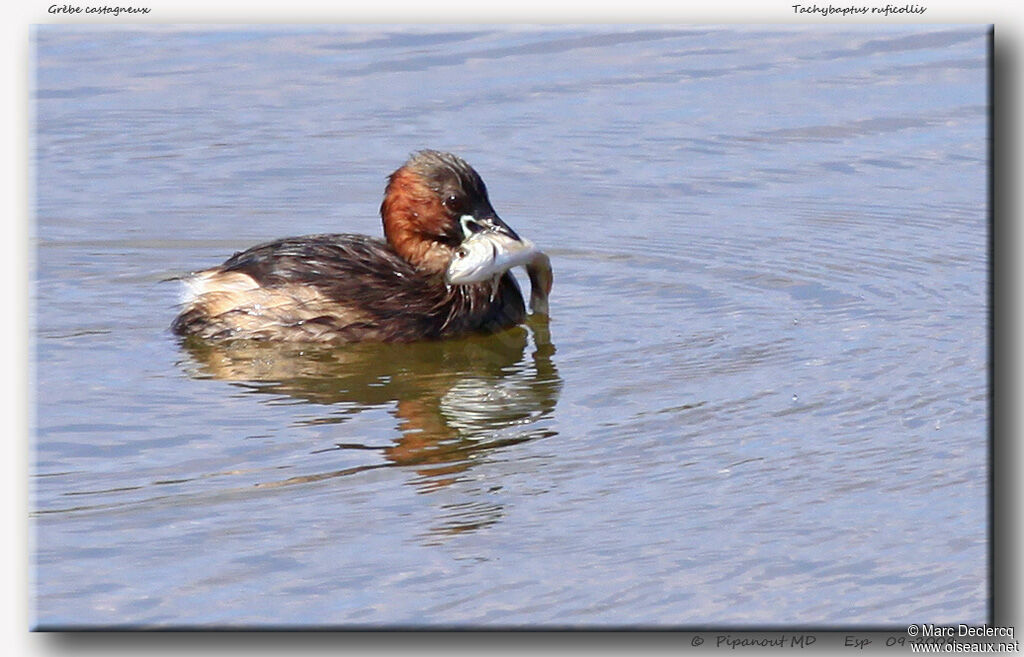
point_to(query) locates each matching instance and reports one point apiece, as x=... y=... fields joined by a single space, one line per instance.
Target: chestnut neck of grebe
x=431 y=204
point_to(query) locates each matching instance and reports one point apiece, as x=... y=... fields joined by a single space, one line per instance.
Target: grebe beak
x=488 y=223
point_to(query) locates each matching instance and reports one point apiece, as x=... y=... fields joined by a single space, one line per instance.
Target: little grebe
x=346 y=288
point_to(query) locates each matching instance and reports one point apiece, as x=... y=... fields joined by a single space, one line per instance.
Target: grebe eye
x=451 y=200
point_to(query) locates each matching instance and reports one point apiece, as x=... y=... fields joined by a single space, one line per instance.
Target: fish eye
x=461 y=252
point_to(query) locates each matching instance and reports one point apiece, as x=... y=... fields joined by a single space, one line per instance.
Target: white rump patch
x=212 y=280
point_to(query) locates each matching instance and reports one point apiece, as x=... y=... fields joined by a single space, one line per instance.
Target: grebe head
x=432 y=204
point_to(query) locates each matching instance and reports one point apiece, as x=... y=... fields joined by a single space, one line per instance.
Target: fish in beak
x=488 y=253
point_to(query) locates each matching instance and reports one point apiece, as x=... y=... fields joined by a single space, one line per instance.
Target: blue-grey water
x=761 y=399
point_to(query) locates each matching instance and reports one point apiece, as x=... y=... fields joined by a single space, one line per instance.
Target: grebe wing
x=313 y=258
x=338 y=287
x=350 y=269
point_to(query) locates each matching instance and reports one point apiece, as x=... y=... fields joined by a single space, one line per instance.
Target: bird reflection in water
x=453 y=400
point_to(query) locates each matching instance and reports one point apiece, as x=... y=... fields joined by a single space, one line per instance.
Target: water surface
x=761 y=399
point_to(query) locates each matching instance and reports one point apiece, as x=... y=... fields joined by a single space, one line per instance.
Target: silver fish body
x=486 y=255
